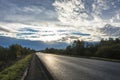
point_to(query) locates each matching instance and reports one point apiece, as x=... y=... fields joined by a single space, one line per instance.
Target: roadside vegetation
x=13 y=60
x=10 y=55
x=104 y=49
x=15 y=72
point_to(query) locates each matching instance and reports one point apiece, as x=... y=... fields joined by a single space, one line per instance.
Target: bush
x=9 y=55
x=112 y=52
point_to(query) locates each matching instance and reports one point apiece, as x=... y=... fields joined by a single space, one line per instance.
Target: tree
x=78 y=47
x=14 y=51
x=68 y=50
x=112 y=51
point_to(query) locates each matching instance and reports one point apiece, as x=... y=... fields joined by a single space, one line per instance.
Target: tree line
x=105 y=49
x=12 y=53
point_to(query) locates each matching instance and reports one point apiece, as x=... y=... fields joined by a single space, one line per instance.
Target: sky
x=60 y=20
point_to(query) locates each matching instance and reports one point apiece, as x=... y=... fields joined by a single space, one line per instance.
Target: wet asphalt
x=72 y=68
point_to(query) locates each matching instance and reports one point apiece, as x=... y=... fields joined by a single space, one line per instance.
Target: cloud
x=78 y=11
x=89 y=15
x=58 y=20
x=68 y=11
x=116 y=17
x=110 y=30
x=4 y=30
x=99 y=5
x=27 y=11
x=43 y=32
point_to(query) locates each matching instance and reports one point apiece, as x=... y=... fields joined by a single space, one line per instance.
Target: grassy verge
x=15 y=71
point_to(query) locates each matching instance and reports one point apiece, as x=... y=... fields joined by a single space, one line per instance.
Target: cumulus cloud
x=85 y=10
x=70 y=10
x=88 y=15
x=116 y=17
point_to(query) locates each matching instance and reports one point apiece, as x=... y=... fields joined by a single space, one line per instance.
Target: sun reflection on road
x=50 y=59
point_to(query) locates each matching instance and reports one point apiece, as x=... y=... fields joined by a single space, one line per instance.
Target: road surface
x=72 y=68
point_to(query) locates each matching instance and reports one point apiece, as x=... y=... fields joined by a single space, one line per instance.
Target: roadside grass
x=15 y=71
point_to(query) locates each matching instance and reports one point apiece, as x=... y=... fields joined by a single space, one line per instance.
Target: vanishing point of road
x=72 y=68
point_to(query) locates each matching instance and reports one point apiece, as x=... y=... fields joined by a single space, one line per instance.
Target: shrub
x=112 y=51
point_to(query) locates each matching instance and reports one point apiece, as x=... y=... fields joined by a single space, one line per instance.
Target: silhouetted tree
x=78 y=47
x=106 y=48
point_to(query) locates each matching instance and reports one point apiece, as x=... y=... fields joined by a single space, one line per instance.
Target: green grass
x=15 y=71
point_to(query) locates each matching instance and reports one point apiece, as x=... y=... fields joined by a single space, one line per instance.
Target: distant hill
x=37 y=45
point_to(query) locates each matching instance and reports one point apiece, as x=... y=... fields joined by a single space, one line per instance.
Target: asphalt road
x=72 y=68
